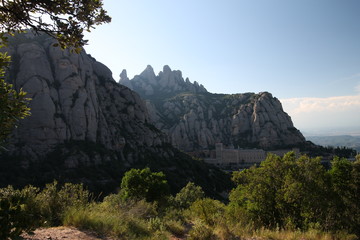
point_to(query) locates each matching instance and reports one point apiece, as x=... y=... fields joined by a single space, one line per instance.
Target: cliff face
x=195 y=119
x=74 y=98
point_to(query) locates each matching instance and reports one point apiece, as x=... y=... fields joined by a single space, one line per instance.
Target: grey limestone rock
x=195 y=119
x=166 y=82
x=75 y=98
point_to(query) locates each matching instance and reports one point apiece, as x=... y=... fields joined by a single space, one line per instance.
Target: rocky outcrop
x=195 y=119
x=74 y=98
x=167 y=82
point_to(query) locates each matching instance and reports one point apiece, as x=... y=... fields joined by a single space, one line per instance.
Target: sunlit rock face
x=74 y=98
x=195 y=119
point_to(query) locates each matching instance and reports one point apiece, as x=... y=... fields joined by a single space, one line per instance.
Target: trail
x=62 y=233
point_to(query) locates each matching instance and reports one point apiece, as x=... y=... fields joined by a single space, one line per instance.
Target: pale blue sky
x=293 y=49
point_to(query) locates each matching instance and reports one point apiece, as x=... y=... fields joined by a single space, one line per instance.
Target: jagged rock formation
x=85 y=127
x=195 y=119
x=75 y=98
x=167 y=82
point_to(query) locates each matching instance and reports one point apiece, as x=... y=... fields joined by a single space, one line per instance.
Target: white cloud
x=303 y=105
x=334 y=112
x=357 y=88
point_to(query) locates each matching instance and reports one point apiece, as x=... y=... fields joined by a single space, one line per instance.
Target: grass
x=108 y=221
x=263 y=233
x=123 y=220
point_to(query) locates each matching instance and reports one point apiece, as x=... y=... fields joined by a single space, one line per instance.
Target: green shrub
x=19 y=211
x=200 y=232
x=172 y=213
x=144 y=184
x=188 y=195
x=55 y=200
x=122 y=219
x=175 y=227
x=208 y=210
x=156 y=224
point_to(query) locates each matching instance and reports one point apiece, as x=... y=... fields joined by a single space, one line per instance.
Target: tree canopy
x=144 y=184
x=298 y=193
x=65 y=20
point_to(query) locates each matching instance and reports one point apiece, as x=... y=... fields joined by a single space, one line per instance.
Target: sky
x=305 y=52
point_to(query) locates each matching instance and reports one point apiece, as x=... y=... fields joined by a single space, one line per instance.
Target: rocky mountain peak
x=168 y=82
x=148 y=73
x=195 y=119
x=123 y=75
x=166 y=69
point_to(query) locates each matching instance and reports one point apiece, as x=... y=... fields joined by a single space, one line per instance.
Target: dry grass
x=262 y=234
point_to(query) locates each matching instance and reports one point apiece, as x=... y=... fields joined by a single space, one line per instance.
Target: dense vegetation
x=283 y=198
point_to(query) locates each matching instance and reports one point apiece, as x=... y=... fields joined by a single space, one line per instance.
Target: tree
x=208 y=210
x=283 y=192
x=302 y=199
x=188 y=195
x=65 y=20
x=257 y=192
x=144 y=184
x=344 y=209
x=13 y=104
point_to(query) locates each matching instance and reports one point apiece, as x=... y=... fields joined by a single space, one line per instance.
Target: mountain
x=195 y=119
x=85 y=127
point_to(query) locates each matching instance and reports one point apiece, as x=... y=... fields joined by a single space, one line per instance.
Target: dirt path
x=71 y=233
x=66 y=233
x=62 y=233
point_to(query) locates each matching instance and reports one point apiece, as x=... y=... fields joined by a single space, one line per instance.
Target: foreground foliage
x=29 y=208
x=284 y=198
x=66 y=20
x=13 y=104
x=293 y=193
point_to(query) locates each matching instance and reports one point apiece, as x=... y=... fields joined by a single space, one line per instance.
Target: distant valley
x=337 y=141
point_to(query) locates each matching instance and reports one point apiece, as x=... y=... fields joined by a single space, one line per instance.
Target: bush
x=122 y=219
x=188 y=195
x=156 y=224
x=175 y=227
x=207 y=210
x=19 y=211
x=144 y=184
x=55 y=200
x=200 y=232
